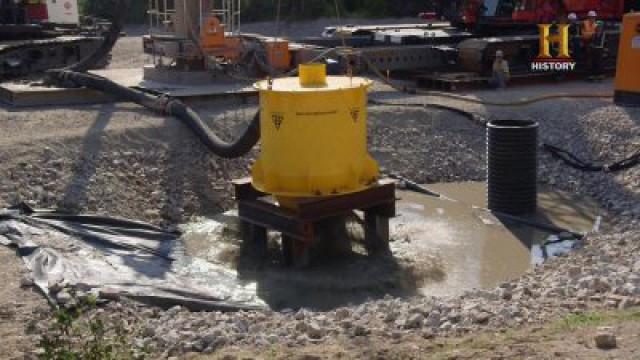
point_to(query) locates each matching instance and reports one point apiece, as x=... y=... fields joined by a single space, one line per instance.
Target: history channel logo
x=554 y=55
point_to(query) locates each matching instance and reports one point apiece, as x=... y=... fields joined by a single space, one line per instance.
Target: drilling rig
x=497 y=15
x=191 y=41
x=512 y=26
x=38 y=35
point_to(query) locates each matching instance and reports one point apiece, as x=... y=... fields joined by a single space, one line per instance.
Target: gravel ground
x=118 y=159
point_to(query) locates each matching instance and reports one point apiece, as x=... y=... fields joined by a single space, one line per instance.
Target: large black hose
x=110 y=39
x=579 y=164
x=76 y=75
x=236 y=149
x=172 y=107
x=467 y=114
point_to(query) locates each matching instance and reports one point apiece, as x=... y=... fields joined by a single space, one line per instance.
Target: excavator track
x=24 y=57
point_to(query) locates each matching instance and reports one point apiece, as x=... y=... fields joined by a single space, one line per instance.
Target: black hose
x=110 y=39
x=236 y=149
x=76 y=75
x=107 y=86
x=567 y=157
x=579 y=164
x=172 y=107
x=415 y=187
x=469 y=115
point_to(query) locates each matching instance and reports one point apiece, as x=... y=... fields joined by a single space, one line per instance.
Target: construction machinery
x=38 y=35
x=512 y=26
x=314 y=135
x=628 y=86
x=462 y=49
x=498 y=15
x=192 y=40
x=315 y=162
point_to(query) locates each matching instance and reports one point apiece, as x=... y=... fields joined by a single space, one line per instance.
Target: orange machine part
x=216 y=43
x=212 y=33
x=278 y=54
x=627 y=84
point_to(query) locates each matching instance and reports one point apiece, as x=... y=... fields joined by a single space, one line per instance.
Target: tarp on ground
x=119 y=257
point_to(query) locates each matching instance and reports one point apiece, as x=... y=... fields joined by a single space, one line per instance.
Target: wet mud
x=439 y=247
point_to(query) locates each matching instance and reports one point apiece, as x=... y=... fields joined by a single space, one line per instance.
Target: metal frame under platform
x=258 y=213
x=22 y=94
x=457 y=81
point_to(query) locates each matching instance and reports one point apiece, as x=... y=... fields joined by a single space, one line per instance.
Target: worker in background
x=501 y=73
x=574 y=35
x=589 y=27
x=591 y=33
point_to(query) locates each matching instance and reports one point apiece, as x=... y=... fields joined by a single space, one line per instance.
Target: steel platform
x=24 y=94
x=259 y=213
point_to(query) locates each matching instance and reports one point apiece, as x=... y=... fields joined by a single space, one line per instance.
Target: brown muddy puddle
x=440 y=248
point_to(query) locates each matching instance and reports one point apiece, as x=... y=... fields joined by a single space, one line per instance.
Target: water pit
x=440 y=248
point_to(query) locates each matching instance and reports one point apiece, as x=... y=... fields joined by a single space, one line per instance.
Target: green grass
x=597 y=318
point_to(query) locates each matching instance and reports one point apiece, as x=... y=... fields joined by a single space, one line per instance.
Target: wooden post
x=255 y=238
x=376 y=233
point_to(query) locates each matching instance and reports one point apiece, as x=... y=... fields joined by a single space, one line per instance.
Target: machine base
x=259 y=213
x=169 y=75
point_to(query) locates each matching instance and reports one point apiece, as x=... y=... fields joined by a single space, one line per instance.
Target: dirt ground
x=567 y=338
x=18 y=307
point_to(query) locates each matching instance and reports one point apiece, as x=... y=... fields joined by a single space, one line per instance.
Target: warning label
x=278 y=119
x=317 y=113
x=355 y=114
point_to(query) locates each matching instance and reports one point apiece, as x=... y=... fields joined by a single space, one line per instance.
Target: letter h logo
x=561 y=39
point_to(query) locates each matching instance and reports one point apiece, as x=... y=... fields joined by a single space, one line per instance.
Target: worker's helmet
x=572 y=17
x=499 y=53
x=592 y=14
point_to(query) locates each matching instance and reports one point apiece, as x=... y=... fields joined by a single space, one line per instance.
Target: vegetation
x=74 y=335
x=103 y=8
x=576 y=321
x=291 y=10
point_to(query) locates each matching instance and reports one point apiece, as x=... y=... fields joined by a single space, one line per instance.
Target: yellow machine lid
x=313 y=78
x=292 y=84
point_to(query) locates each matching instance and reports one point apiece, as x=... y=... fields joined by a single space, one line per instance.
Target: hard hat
x=499 y=53
x=572 y=17
x=592 y=14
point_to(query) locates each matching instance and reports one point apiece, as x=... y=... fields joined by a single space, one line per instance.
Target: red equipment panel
x=37 y=10
x=606 y=9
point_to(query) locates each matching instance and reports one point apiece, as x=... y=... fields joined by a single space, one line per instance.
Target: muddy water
x=440 y=248
x=475 y=249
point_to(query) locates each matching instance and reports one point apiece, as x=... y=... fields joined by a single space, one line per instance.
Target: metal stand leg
x=255 y=238
x=300 y=227
x=295 y=253
x=301 y=255
x=287 y=250
x=376 y=234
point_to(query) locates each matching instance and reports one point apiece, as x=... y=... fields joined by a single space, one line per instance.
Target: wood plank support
x=259 y=213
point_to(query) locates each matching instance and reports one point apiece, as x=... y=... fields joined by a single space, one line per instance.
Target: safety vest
x=589 y=29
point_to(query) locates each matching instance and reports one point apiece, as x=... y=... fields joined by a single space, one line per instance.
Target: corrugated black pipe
x=512 y=166
x=172 y=107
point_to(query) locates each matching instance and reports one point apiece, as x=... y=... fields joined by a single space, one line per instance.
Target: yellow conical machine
x=314 y=135
x=314 y=161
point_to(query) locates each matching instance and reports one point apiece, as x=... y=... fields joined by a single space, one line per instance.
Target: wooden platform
x=259 y=213
x=37 y=94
